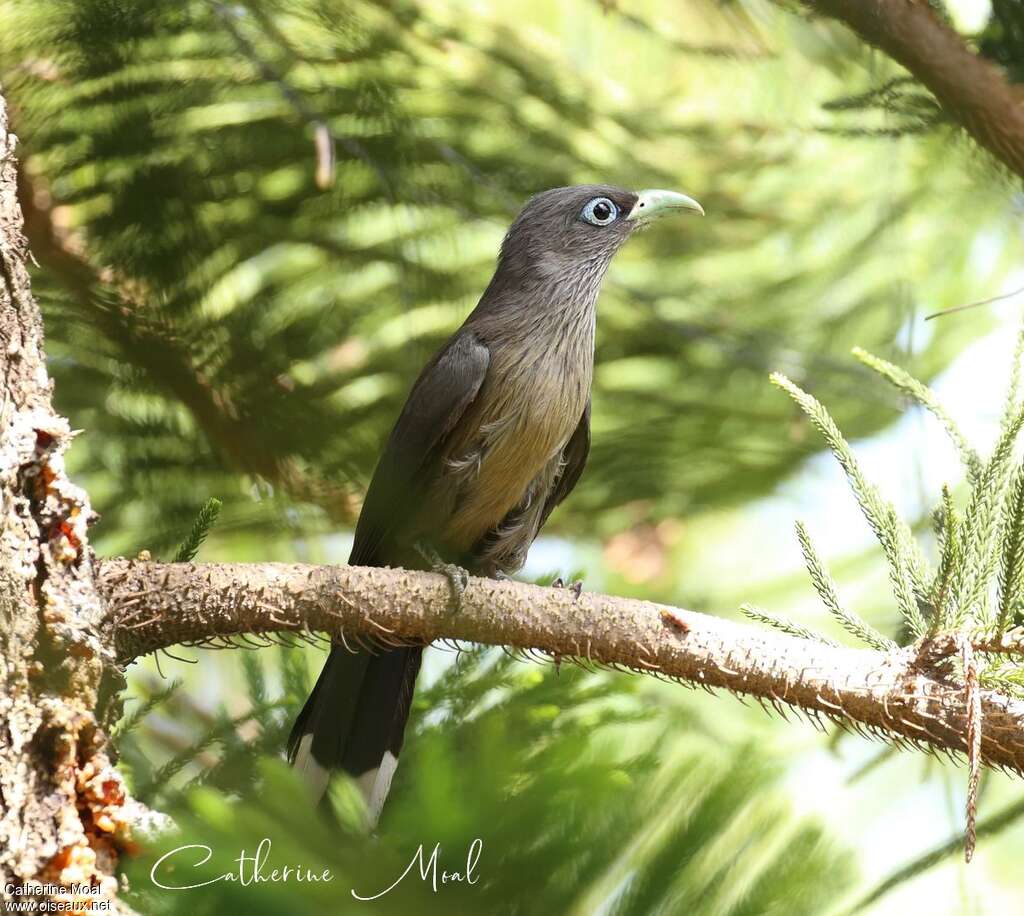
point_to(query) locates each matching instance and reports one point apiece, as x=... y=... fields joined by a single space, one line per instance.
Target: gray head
x=555 y=255
x=566 y=233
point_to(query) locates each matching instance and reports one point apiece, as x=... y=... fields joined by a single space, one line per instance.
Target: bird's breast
x=522 y=419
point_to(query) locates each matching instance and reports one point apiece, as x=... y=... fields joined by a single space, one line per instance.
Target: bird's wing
x=574 y=458
x=447 y=385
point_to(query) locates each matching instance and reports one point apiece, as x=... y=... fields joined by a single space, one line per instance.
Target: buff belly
x=501 y=475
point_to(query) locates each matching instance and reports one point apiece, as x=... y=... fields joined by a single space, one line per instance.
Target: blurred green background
x=223 y=321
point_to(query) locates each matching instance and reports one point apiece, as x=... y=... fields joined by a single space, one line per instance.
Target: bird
x=494 y=434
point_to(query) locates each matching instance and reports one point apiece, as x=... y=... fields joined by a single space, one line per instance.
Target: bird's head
x=565 y=230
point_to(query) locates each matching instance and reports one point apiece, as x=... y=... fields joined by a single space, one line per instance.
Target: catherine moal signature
x=255 y=869
x=428 y=868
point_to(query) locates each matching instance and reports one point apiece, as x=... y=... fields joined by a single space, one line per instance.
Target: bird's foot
x=575 y=587
x=458 y=578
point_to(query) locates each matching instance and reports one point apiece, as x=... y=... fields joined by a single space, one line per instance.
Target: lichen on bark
x=64 y=812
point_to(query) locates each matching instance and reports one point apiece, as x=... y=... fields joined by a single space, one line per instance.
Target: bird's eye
x=600 y=211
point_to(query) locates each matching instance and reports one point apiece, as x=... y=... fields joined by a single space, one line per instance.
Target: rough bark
x=63 y=808
x=903 y=695
x=970 y=88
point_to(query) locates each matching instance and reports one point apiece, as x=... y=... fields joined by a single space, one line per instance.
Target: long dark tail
x=354 y=720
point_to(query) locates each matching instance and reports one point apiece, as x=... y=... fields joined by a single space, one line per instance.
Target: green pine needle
x=982 y=549
x=1013 y=394
x=206 y=519
x=255 y=681
x=1011 y=570
x=951 y=559
x=982 y=527
x=908 y=569
x=826 y=588
x=790 y=627
x=131 y=721
x=927 y=398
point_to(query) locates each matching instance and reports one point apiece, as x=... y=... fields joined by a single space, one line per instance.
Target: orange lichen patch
x=65 y=544
x=105 y=791
x=75 y=864
x=58 y=863
x=101 y=799
x=95 y=818
x=65 y=529
x=79 y=866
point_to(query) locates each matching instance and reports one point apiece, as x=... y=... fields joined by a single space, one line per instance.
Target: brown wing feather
x=442 y=393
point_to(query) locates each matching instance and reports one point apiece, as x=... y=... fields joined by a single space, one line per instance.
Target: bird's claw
x=576 y=587
x=458 y=578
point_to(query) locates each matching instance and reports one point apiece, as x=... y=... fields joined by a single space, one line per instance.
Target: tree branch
x=903 y=696
x=970 y=88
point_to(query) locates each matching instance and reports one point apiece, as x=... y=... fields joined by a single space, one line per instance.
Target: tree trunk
x=63 y=808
